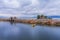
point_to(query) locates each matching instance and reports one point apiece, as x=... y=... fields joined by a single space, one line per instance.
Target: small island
x=40 y=20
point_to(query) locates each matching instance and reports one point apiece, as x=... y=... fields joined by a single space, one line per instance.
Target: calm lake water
x=20 y=31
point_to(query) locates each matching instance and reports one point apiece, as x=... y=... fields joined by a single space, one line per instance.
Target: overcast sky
x=29 y=8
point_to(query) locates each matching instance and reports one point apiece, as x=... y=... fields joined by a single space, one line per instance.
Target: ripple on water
x=26 y=31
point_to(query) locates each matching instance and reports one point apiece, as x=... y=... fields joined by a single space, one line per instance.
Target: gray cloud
x=30 y=7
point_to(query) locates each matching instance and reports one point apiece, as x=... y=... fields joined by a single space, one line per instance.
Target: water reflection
x=14 y=32
x=11 y=22
x=26 y=32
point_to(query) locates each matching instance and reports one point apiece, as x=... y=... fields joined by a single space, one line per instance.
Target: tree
x=15 y=17
x=45 y=17
x=11 y=18
x=42 y=15
x=38 y=16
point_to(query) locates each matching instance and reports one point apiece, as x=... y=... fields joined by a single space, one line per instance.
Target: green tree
x=42 y=15
x=45 y=17
x=38 y=16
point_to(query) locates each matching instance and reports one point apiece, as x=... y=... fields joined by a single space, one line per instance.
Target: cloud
x=34 y=2
x=29 y=7
x=11 y=3
x=15 y=15
x=9 y=15
x=53 y=7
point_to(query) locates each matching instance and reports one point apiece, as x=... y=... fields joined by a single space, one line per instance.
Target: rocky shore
x=50 y=22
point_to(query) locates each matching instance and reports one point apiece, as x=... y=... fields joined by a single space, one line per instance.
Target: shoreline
x=49 y=22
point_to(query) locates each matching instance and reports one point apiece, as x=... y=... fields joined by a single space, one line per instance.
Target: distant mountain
x=54 y=16
x=33 y=17
x=3 y=17
x=49 y=16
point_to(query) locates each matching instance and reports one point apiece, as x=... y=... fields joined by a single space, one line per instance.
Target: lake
x=20 y=31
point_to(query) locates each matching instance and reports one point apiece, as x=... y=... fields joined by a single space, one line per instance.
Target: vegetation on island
x=43 y=17
x=34 y=22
